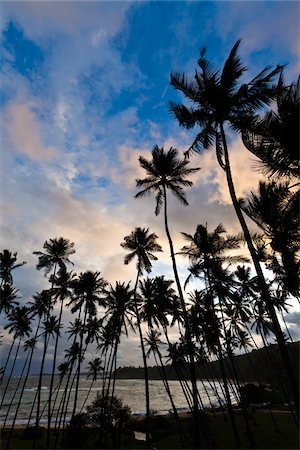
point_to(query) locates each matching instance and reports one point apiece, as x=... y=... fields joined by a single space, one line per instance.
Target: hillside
x=263 y=365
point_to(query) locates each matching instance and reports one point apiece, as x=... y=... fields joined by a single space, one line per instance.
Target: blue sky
x=85 y=91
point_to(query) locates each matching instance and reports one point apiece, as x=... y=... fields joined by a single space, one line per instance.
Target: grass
x=165 y=435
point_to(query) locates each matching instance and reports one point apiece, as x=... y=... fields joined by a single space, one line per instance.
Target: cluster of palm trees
x=232 y=303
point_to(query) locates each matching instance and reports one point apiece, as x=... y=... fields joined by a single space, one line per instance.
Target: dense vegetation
x=234 y=303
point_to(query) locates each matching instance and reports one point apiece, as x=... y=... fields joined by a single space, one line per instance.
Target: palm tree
x=142 y=245
x=221 y=102
x=88 y=290
x=207 y=252
x=159 y=300
x=167 y=171
x=274 y=137
x=95 y=368
x=56 y=254
x=51 y=328
x=8 y=262
x=119 y=310
x=61 y=290
x=275 y=209
x=8 y=298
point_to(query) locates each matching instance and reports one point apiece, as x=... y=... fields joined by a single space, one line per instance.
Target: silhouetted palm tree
x=56 y=255
x=221 y=102
x=275 y=209
x=165 y=171
x=88 y=291
x=141 y=245
x=95 y=368
x=274 y=137
x=8 y=296
x=8 y=262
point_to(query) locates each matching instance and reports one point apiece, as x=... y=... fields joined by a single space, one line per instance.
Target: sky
x=84 y=91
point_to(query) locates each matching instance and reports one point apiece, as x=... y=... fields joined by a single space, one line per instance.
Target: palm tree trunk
x=16 y=389
x=261 y=279
x=37 y=419
x=11 y=372
x=53 y=366
x=187 y=331
x=23 y=387
x=147 y=443
x=79 y=364
x=8 y=358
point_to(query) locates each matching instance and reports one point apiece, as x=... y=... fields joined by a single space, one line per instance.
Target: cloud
x=24 y=131
x=43 y=18
x=242 y=163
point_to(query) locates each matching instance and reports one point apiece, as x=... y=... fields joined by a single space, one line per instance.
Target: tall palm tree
x=141 y=245
x=8 y=262
x=220 y=102
x=165 y=171
x=51 y=328
x=274 y=137
x=208 y=252
x=88 y=291
x=119 y=310
x=61 y=290
x=56 y=255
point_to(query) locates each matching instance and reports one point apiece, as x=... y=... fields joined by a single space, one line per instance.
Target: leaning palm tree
x=165 y=171
x=220 y=102
x=142 y=245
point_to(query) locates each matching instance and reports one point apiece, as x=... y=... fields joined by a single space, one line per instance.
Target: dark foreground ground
x=276 y=431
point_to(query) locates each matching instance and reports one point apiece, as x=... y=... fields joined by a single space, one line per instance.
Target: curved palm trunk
x=11 y=372
x=23 y=387
x=145 y=363
x=187 y=331
x=16 y=389
x=8 y=358
x=167 y=387
x=261 y=279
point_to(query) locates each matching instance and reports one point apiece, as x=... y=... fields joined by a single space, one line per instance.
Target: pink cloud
x=24 y=132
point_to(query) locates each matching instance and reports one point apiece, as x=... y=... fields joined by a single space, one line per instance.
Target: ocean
x=132 y=393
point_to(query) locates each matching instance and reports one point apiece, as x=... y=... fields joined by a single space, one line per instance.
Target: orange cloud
x=24 y=132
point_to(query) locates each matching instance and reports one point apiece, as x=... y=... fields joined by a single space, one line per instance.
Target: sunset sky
x=85 y=90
